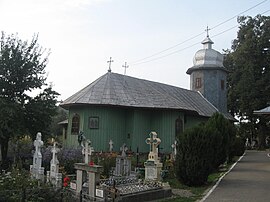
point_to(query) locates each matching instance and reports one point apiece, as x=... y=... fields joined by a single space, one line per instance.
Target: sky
x=157 y=38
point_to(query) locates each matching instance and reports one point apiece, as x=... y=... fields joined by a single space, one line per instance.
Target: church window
x=93 y=123
x=75 y=125
x=222 y=84
x=178 y=127
x=198 y=83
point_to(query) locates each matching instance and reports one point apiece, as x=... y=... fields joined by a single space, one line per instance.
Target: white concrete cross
x=54 y=151
x=174 y=148
x=111 y=145
x=153 y=141
x=38 y=143
x=124 y=148
x=87 y=151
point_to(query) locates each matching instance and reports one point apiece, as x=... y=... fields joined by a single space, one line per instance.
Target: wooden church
x=125 y=109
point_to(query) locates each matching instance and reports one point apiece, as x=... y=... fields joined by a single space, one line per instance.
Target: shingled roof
x=119 y=90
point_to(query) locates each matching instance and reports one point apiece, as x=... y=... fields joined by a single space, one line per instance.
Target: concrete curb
x=219 y=180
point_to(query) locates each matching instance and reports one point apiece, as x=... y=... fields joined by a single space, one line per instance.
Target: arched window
x=75 y=126
x=178 y=127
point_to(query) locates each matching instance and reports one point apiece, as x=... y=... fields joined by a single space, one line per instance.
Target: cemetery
x=123 y=182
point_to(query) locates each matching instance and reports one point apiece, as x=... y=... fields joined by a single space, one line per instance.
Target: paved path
x=248 y=181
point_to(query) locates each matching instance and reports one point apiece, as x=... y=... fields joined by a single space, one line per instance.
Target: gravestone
x=174 y=152
x=53 y=175
x=152 y=165
x=110 y=145
x=36 y=170
x=87 y=151
x=123 y=163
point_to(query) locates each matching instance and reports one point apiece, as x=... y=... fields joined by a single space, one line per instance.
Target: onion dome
x=207 y=58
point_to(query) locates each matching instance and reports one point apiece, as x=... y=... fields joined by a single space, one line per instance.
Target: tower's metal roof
x=207 y=58
x=113 y=89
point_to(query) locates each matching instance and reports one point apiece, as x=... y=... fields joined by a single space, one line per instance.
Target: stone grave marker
x=36 y=170
x=123 y=163
x=110 y=145
x=87 y=151
x=53 y=175
x=174 y=152
x=152 y=165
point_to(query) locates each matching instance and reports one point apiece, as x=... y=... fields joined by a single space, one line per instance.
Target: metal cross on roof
x=207 y=31
x=125 y=66
x=110 y=62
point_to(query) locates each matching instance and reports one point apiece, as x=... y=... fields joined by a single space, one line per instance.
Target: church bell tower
x=209 y=76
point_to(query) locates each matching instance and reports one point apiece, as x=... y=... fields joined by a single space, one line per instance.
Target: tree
x=22 y=65
x=248 y=62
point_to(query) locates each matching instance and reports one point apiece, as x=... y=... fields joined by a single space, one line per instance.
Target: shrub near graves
x=221 y=128
x=17 y=185
x=194 y=156
x=203 y=149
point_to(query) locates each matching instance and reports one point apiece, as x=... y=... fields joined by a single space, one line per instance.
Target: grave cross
x=125 y=66
x=111 y=145
x=174 y=148
x=124 y=148
x=54 y=151
x=153 y=141
x=38 y=143
x=87 y=151
x=110 y=62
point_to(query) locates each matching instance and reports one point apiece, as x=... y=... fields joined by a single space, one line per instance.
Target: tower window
x=222 y=84
x=75 y=126
x=198 y=83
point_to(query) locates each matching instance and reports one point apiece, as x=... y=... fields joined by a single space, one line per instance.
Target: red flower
x=66 y=181
x=91 y=163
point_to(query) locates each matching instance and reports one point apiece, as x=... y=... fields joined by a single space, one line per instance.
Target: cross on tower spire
x=110 y=62
x=207 y=31
x=125 y=66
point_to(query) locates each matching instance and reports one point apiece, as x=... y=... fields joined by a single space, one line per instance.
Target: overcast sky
x=84 y=34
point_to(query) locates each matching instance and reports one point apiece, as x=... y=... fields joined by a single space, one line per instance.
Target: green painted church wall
x=141 y=129
x=111 y=126
x=130 y=126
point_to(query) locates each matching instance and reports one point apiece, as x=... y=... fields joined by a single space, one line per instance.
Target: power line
x=157 y=53
x=239 y=14
x=177 y=51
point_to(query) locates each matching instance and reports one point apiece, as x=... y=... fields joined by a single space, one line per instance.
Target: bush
x=67 y=158
x=194 y=157
x=224 y=134
x=238 y=147
x=202 y=149
x=17 y=185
